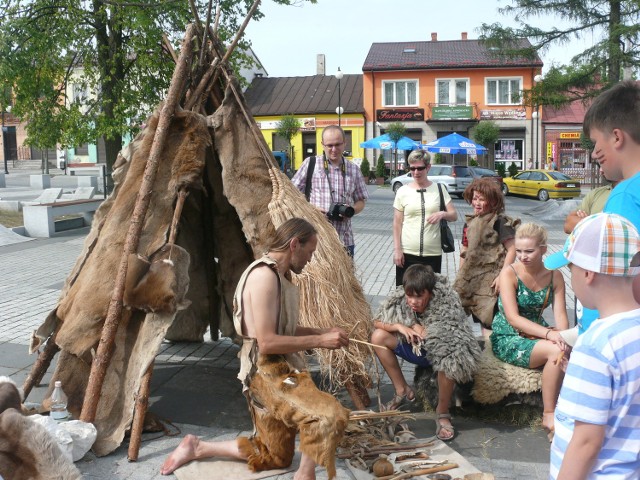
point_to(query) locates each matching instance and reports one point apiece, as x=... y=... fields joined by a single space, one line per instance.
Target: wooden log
x=359 y=395
x=422 y=471
x=41 y=365
x=137 y=425
x=374 y=452
x=105 y=347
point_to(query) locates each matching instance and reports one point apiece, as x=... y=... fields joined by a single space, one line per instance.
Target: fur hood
x=450 y=344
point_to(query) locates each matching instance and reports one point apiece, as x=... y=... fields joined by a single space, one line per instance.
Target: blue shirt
x=602 y=387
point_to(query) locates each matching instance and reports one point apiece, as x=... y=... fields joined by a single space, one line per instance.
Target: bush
x=438 y=158
x=365 y=168
x=502 y=171
x=473 y=163
x=513 y=169
x=380 y=167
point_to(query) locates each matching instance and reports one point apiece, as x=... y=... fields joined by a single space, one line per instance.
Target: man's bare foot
x=185 y=452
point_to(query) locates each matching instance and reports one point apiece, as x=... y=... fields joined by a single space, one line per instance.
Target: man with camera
x=334 y=185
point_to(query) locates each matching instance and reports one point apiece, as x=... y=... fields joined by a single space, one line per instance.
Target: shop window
x=400 y=93
x=509 y=150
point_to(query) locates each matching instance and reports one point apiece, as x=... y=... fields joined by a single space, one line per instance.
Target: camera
x=340 y=211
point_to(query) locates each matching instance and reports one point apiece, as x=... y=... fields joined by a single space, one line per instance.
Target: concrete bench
x=85 y=169
x=39 y=220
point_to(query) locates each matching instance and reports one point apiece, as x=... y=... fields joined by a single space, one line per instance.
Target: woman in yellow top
x=416 y=218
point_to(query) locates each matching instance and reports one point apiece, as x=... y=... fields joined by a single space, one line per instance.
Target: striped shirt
x=322 y=191
x=602 y=387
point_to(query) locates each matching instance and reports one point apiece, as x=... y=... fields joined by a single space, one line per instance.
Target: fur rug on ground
x=495 y=379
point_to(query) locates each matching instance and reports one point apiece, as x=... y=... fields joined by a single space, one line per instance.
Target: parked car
x=454 y=177
x=543 y=184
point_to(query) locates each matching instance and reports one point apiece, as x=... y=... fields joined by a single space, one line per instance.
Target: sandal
x=399 y=400
x=448 y=428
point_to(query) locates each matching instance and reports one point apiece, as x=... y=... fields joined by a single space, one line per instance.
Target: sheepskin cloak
x=450 y=344
x=483 y=261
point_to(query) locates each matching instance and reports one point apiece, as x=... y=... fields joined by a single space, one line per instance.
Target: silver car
x=454 y=177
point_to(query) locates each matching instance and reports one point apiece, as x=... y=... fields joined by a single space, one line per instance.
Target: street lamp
x=339 y=110
x=4 y=139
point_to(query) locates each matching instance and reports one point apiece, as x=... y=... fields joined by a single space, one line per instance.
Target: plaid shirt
x=321 y=190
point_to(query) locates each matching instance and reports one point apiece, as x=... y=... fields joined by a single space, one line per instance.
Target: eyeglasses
x=329 y=146
x=413 y=169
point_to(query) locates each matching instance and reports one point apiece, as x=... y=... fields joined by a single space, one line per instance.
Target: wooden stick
x=177 y=213
x=370 y=344
x=240 y=32
x=41 y=365
x=374 y=452
x=105 y=347
x=137 y=425
x=422 y=471
x=169 y=47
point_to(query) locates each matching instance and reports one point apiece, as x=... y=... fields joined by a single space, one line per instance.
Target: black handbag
x=446 y=237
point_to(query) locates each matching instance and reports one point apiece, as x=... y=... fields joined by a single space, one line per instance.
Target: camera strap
x=343 y=169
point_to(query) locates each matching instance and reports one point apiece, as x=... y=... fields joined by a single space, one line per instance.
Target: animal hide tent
x=178 y=287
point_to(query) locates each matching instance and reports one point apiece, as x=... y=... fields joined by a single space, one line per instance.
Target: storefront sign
x=461 y=112
x=506 y=114
x=308 y=124
x=407 y=115
x=549 y=149
x=575 y=135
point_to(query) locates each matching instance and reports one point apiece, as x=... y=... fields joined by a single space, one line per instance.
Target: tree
x=380 y=167
x=365 y=168
x=288 y=127
x=615 y=22
x=486 y=133
x=84 y=70
x=501 y=169
x=513 y=169
x=396 y=131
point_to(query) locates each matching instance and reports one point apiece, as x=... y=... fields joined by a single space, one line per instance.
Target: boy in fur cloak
x=423 y=322
x=487 y=247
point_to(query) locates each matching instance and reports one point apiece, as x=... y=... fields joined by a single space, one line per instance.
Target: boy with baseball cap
x=597 y=417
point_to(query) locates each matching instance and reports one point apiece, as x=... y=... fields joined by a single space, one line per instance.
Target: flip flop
x=448 y=428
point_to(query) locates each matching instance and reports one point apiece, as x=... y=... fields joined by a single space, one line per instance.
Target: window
x=504 y=91
x=452 y=91
x=80 y=93
x=400 y=94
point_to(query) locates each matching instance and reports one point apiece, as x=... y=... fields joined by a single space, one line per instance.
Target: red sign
x=407 y=115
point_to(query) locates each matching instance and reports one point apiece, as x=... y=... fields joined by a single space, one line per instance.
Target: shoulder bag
x=446 y=237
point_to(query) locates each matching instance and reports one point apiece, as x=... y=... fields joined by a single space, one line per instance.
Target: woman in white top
x=416 y=218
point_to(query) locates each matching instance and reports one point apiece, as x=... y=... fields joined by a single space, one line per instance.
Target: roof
x=304 y=95
x=442 y=54
x=572 y=113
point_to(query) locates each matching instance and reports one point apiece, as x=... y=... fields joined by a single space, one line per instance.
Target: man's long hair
x=292 y=228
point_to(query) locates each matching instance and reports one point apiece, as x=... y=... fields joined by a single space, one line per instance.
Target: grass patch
x=11 y=219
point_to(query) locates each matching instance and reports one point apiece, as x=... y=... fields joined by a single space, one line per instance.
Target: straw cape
x=197 y=198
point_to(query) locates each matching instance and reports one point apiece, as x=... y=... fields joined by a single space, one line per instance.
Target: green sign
x=451 y=113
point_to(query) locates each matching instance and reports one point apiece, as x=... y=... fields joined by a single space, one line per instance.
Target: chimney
x=464 y=35
x=434 y=36
x=320 y=69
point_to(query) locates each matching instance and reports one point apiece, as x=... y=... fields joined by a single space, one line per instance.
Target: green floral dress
x=507 y=344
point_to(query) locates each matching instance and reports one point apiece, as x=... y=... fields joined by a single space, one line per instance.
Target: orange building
x=439 y=87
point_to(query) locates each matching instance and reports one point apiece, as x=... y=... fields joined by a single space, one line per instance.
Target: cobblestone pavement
x=34 y=272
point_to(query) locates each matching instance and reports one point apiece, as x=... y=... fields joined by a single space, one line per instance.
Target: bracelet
x=546 y=337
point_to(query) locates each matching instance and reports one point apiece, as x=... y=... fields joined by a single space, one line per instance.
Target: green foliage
x=501 y=169
x=365 y=168
x=396 y=131
x=380 y=167
x=611 y=27
x=110 y=50
x=438 y=158
x=486 y=133
x=586 y=143
x=473 y=163
x=513 y=169
x=288 y=127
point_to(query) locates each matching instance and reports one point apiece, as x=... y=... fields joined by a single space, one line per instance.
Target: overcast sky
x=289 y=38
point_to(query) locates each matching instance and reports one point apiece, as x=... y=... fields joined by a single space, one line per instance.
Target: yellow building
x=316 y=102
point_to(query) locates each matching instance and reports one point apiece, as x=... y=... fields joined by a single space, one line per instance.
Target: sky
x=288 y=39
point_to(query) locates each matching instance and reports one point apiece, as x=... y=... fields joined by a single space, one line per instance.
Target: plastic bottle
x=59 y=404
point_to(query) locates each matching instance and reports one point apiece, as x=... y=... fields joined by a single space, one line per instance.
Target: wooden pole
x=142 y=402
x=41 y=365
x=105 y=347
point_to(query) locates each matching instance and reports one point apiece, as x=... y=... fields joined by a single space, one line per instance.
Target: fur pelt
x=10 y=396
x=28 y=452
x=483 y=261
x=495 y=380
x=450 y=344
